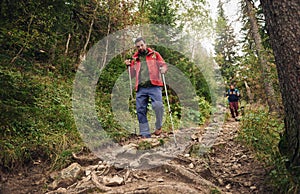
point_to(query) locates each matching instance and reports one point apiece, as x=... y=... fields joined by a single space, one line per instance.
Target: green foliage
x=196 y=20
x=36 y=120
x=249 y=64
x=189 y=69
x=215 y=191
x=144 y=145
x=204 y=109
x=18 y=97
x=40 y=30
x=225 y=46
x=107 y=118
x=161 y=141
x=262 y=135
x=161 y=12
x=261 y=132
x=37 y=27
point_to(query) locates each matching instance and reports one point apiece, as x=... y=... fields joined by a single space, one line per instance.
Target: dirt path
x=228 y=168
x=232 y=166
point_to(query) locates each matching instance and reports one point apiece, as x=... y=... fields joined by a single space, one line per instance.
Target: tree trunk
x=283 y=23
x=249 y=93
x=83 y=51
x=67 y=44
x=106 y=47
x=268 y=86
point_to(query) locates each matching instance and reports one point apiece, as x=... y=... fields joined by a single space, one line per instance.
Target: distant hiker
x=147 y=65
x=233 y=99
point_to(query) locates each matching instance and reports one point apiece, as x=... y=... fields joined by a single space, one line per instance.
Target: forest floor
x=229 y=167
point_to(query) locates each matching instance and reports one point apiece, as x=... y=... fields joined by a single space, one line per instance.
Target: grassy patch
x=261 y=132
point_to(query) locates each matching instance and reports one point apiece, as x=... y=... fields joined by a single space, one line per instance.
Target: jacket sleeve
x=226 y=93
x=238 y=93
x=160 y=61
x=132 y=68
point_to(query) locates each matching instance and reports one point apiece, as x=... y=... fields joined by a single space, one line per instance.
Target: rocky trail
x=229 y=167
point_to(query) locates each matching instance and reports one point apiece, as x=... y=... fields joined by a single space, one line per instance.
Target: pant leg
x=155 y=94
x=236 y=108
x=231 y=107
x=142 y=99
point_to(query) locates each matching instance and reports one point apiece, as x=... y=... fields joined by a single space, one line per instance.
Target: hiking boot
x=157 y=132
x=145 y=136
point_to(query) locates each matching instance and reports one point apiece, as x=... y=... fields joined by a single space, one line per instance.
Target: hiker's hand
x=127 y=62
x=163 y=70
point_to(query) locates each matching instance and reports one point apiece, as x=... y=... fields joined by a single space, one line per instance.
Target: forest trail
x=229 y=168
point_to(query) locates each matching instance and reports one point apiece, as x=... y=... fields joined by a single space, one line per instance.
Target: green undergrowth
x=261 y=132
x=36 y=119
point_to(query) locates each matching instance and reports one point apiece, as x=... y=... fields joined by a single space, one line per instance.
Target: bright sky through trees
x=232 y=11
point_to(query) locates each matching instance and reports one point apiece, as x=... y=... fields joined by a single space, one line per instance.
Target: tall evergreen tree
x=161 y=12
x=225 y=45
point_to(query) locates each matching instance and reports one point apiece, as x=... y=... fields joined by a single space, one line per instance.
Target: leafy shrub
x=261 y=132
x=36 y=121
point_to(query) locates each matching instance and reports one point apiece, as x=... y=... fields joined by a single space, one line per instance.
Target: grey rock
x=113 y=181
x=67 y=176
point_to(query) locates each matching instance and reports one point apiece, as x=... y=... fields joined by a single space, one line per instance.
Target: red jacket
x=154 y=62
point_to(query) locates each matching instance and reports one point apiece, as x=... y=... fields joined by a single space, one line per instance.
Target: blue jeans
x=142 y=99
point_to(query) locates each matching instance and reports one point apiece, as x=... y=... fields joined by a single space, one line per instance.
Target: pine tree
x=225 y=46
x=161 y=12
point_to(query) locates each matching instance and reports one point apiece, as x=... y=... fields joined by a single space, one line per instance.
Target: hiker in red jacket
x=147 y=65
